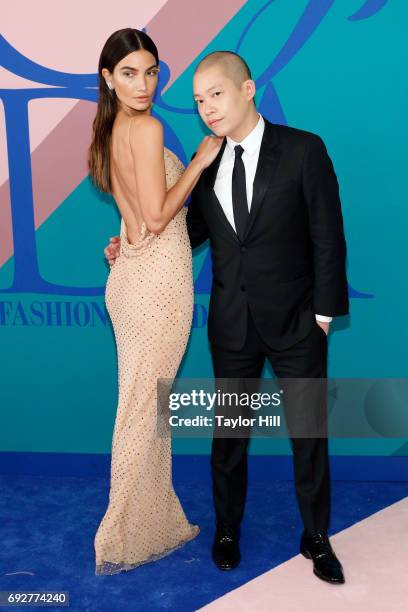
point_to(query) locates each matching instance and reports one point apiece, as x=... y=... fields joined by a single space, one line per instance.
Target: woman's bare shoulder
x=146 y=124
x=146 y=133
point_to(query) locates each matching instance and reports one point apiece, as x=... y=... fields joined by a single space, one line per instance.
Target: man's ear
x=250 y=89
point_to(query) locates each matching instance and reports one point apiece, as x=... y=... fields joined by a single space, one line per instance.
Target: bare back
x=123 y=178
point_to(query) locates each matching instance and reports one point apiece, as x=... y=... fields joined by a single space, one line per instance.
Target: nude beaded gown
x=149 y=297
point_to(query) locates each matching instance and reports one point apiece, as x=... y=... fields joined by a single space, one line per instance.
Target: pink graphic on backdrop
x=67 y=37
x=71 y=121
x=45 y=35
x=184 y=29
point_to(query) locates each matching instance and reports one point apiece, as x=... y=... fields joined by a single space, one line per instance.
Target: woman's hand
x=208 y=150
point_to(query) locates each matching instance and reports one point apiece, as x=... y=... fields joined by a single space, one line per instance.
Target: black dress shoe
x=326 y=566
x=225 y=551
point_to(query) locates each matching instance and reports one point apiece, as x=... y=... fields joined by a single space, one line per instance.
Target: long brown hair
x=118 y=46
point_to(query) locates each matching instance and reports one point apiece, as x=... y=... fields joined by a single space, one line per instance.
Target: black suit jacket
x=291 y=261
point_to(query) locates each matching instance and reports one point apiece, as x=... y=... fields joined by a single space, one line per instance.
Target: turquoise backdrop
x=346 y=82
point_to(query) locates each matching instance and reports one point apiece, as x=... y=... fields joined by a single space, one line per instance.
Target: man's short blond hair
x=232 y=64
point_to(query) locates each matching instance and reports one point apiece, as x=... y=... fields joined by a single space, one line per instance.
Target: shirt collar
x=252 y=142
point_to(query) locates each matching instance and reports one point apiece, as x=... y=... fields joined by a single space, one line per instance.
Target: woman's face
x=134 y=80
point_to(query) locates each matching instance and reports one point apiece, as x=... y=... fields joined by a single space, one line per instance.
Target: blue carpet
x=48 y=526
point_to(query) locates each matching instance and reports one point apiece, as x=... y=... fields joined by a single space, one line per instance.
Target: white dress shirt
x=222 y=187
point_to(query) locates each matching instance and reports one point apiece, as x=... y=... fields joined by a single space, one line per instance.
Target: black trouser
x=306 y=359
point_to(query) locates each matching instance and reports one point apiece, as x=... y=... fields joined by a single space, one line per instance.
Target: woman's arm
x=159 y=206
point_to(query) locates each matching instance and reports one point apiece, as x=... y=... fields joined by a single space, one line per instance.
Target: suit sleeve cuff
x=323 y=318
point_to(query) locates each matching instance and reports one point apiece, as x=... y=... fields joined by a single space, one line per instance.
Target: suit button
x=243 y=249
x=243 y=288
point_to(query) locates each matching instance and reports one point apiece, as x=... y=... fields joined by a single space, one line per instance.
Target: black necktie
x=239 y=196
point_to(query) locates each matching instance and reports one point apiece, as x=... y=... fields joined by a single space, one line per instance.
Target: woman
x=149 y=297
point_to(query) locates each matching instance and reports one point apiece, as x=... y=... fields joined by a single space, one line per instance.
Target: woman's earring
x=110 y=85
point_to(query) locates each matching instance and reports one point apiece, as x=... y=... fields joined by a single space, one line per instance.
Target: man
x=270 y=206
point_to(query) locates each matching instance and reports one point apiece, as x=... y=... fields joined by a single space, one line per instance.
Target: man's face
x=222 y=104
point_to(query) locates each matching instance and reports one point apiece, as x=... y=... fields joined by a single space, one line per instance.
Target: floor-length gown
x=149 y=297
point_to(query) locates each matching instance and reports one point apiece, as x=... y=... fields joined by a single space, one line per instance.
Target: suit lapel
x=210 y=180
x=267 y=165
